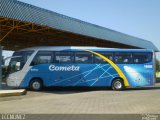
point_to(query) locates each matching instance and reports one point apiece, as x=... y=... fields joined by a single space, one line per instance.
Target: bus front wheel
x=117 y=84
x=36 y=84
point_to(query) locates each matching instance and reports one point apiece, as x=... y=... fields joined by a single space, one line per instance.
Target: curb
x=7 y=93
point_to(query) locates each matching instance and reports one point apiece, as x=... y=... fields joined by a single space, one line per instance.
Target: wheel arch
x=36 y=78
x=116 y=79
x=121 y=85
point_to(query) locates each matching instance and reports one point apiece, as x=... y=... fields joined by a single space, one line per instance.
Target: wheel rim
x=36 y=85
x=118 y=85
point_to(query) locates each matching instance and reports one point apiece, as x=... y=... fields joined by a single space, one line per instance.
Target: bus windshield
x=18 y=61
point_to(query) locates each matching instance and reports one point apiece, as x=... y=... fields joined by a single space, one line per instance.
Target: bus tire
x=36 y=84
x=118 y=84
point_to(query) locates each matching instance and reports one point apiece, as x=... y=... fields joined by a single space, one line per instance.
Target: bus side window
x=98 y=59
x=123 y=58
x=142 y=57
x=83 y=57
x=42 y=57
x=64 y=57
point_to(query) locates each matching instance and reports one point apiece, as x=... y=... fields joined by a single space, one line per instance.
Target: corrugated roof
x=29 y=13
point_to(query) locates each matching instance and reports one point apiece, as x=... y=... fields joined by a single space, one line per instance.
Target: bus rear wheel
x=118 y=84
x=36 y=85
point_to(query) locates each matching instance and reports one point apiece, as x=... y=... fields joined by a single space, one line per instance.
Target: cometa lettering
x=64 y=68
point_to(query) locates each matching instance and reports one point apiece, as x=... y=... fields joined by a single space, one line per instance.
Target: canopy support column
x=0 y=67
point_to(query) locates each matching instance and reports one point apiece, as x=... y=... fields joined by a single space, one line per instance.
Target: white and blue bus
x=40 y=67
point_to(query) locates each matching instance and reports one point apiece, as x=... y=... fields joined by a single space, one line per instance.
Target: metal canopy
x=17 y=35
x=23 y=25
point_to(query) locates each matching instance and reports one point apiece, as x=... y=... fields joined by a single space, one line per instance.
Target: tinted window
x=83 y=57
x=64 y=57
x=98 y=59
x=42 y=57
x=122 y=58
x=27 y=55
x=142 y=57
x=18 y=61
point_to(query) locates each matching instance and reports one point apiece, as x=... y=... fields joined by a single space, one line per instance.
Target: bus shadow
x=143 y=88
x=73 y=90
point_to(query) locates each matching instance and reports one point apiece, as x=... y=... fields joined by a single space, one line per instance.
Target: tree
x=157 y=65
x=4 y=73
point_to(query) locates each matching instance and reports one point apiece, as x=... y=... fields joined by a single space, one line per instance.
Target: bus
x=69 y=66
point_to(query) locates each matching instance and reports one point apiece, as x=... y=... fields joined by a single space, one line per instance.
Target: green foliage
x=157 y=65
x=4 y=73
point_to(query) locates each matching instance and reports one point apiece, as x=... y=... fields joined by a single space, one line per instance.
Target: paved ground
x=140 y=100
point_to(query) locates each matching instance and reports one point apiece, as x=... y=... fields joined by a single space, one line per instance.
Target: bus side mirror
x=18 y=65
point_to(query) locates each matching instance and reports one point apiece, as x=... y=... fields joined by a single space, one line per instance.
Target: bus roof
x=79 y=48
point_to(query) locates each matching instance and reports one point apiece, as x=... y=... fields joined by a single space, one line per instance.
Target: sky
x=139 y=18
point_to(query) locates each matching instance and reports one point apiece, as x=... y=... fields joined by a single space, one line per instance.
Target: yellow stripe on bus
x=114 y=66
